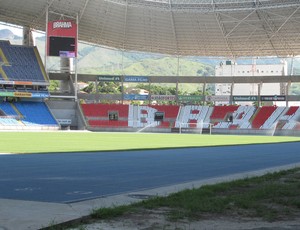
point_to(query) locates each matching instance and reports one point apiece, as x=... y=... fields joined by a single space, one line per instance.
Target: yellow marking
x=3 y=57
x=2 y=72
x=38 y=57
x=16 y=110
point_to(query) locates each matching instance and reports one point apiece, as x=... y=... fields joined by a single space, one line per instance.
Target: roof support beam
x=276 y=32
x=83 y=9
x=124 y=35
x=39 y=16
x=240 y=22
x=173 y=26
x=221 y=26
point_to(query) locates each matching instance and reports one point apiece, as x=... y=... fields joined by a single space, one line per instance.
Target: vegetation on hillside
x=99 y=60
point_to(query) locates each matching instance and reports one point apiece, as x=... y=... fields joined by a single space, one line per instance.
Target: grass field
x=248 y=203
x=272 y=196
x=45 y=142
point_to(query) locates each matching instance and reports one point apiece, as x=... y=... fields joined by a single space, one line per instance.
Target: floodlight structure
x=222 y=28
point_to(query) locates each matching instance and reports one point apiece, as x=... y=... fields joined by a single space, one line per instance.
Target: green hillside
x=98 y=60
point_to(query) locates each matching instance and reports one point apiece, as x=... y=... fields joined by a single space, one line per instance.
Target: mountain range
x=99 y=60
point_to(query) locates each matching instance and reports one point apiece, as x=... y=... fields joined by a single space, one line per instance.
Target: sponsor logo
x=190 y=97
x=64 y=121
x=245 y=98
x=21 y=94
x=109 y=78
x=273 y=98
x=136 y=79
x=62 y=24
x=163 y=97
x=217 y=98
x=135 y=97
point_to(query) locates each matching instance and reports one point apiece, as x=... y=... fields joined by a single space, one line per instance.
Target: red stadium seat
x=220 y=112
x=262 y=115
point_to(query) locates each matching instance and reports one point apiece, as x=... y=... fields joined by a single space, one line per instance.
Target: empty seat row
x=23 y=64
x=28 y=113
x=243 y=117
x=102 y=110
x=220 y=112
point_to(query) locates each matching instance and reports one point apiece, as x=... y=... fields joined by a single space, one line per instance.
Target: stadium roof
x=227 y=28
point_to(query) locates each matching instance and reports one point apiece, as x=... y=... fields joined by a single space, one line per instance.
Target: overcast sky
x=17 y=30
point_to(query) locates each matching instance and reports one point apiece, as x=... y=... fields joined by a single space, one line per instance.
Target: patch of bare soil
x=157 y=219
x=287 y=217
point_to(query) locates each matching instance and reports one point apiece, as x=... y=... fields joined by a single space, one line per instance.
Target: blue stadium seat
x=23 y=63
x=35 y=113
x=8 y=109
x=9 y=122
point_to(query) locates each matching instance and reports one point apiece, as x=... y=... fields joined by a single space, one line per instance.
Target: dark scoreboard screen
x=62 y=47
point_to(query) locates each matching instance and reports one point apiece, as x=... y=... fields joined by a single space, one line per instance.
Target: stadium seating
x=292 y=110
x=107 y=123
x=271 y=122
x=243 y=115
x=262 y=115
x=8 y=109
x=220 y=112
x=97 y=115
x=101 y=110
x=26 y=114
x=35 y=113
x=193 y=116
x=10 y=122
x=170 y=114
x=23 y=63
x=170 y=111
x=290 y=120
x=135 y=116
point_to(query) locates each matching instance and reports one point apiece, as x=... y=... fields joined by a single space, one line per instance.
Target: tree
x=54 y=86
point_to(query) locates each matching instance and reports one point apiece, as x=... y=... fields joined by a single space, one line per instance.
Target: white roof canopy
x=227 y=28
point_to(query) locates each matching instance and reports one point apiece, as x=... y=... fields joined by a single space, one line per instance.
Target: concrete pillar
x=65 y=67
x=203 y=93
x=27 y=36
x=288 y=85
x=259 y=88
x=231 y=93
x=177 y=99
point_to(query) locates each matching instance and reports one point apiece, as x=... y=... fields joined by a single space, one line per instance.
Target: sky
x=18 y=30
x=14 y=29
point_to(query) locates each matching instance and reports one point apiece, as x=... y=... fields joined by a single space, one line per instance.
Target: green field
x=43 y=142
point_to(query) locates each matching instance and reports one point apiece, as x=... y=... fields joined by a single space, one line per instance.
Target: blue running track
x=71 y=177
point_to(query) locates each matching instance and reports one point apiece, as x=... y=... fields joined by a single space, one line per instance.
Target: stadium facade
x=228 y=29
x=231 y=68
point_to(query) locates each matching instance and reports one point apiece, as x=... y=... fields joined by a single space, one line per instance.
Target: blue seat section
x=35 y=113
x=23 y=63
x=8 y=109
x=9 y=121
x=10 y=112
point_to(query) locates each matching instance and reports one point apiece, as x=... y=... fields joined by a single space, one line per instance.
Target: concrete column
x=203 y=93
x=27 y=36
x=231 y=93
x=97 y=90
x=177 y=99
x=65 y=67
x=259 y=87
x=287 y=88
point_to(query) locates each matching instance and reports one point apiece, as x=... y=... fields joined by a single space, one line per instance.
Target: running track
x=71 y=177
